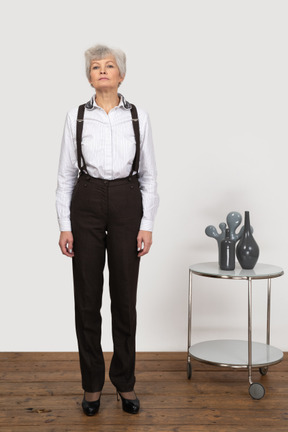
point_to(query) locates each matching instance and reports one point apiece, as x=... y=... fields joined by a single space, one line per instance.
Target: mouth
x=100 y=79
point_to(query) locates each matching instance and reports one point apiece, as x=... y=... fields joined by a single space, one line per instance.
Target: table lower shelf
x=234 y=353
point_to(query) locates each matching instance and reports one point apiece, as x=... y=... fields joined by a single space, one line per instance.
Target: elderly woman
x=106 y=201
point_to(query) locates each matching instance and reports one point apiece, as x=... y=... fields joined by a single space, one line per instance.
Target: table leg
x=250 y=330
x=189 y=324
x=264 y=369
x=268 y=311
x=256 y=390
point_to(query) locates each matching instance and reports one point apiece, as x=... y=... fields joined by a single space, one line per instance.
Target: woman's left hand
x=144 y=242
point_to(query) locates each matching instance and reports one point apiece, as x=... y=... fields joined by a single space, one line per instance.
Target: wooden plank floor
x=41 y=392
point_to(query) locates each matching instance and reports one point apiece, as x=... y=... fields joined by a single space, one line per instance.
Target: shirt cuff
x=146 y=225
x=65 y=225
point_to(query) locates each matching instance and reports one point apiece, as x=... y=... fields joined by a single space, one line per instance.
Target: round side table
x=236 y=353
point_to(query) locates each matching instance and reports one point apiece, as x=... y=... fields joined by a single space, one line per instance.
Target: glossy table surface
x=260 y=271
x=234 y=353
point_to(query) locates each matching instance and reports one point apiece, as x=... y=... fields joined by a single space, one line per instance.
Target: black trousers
x=106 y=215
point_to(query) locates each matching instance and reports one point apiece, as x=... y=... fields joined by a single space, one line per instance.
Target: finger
x=70 y=247
x=63 y=246
x=139 y=243
x=140 y=246
x=147 y=246
x=68 y=253
x=145 y=249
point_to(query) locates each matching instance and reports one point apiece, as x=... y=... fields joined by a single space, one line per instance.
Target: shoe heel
x=128 y=405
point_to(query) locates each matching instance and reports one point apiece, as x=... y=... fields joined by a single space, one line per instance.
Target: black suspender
x=79 y=130
x=135 y=122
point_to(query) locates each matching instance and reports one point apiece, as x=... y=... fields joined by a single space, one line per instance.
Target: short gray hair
x=98 y=52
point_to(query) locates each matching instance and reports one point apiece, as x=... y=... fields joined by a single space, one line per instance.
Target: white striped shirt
x=108 y=147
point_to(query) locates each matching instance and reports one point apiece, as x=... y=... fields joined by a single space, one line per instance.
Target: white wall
x=213 y=76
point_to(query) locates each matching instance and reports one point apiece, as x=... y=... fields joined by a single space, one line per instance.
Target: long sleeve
x=148 y=178
x=67 y=175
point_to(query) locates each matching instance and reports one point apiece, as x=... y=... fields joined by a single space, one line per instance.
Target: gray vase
x=227 y=257
x=247 y=250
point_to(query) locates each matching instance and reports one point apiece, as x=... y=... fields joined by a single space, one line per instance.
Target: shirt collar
x=91 y=104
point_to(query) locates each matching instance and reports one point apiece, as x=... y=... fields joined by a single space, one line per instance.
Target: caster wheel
x=189 y=370
x=256 y=391
x=263 y=370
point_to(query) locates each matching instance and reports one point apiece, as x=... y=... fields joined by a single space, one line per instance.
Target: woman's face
x=104 y=74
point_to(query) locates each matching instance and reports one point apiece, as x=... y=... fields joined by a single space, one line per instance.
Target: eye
x=95 y=67
x=110 y=66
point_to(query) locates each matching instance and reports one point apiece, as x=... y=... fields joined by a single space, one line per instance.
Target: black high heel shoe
x=90 y=408
x=130 y=406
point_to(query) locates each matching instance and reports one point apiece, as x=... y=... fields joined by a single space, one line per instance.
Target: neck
x=107 y=100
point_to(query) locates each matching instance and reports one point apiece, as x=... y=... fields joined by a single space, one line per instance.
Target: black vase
x=247 y=250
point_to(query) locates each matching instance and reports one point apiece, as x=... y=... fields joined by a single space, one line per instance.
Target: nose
x=103 y=71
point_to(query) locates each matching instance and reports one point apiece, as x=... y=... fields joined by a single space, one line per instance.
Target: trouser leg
x=88 y=264
x=126 y=212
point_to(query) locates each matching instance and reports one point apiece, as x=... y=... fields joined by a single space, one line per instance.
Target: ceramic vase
x=247 y=250
x=227 y=257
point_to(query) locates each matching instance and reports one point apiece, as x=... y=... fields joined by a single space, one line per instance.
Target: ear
x=121 y=79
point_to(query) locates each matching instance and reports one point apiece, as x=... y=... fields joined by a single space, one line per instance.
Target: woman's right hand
x=66 y=243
